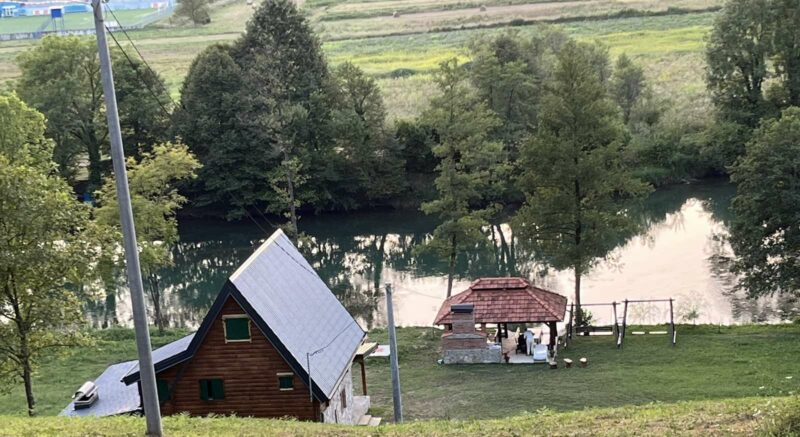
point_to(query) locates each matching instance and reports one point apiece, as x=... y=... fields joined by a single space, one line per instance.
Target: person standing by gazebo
x=529 y=337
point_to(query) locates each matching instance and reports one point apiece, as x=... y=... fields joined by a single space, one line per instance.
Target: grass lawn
x=734 y=417
x=709 y=363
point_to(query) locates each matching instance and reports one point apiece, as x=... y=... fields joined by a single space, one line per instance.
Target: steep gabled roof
x=498 y=300
x=113 y=396
x=292 y=307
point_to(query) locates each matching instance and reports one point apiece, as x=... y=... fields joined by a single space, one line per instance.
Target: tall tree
x=22 y=137
x=155 y=201
x=196 y=11
x=575 y=181
x=628 y=85
x=787 y=48
x=368 y=156
x=467 y=163
x=60 y=78
x=737 y=55
x=46 y=254
x=765 y=232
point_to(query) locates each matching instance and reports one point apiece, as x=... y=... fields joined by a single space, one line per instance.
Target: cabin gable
x=235 y=375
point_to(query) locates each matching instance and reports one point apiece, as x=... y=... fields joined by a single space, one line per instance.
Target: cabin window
x=163 y=390
x=211 y=390
x=344 y=399
x=286 y=381
x=237 y=328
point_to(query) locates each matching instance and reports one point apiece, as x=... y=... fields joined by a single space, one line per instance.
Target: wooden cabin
x=251 y=354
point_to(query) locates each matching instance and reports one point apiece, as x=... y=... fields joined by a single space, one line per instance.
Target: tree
x=786 y=45
x=194 y=10
x=155 y=200
x=46 y=254
x=258 y=106
x=737 y=52
x=22 y=137
x=628 y=86
x=575 y=181
x=468 y=161
x=368 y=156
x=60 y=78
x=765 y=231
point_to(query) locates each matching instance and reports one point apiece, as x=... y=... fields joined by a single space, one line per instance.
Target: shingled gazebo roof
x=506 y=300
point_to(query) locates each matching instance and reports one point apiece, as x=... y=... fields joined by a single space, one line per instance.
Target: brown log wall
x=249 y=371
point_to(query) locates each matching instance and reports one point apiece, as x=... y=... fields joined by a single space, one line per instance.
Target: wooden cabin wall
x=249 y=371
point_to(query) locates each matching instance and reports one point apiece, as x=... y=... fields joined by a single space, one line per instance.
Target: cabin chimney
x=463 y=318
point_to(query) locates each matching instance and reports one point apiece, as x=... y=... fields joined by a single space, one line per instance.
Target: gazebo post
x=553 y=335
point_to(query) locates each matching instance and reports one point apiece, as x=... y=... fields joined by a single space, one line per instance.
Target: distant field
x=71 y=21
x=402 y=52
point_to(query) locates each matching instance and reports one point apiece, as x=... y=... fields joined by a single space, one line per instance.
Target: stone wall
x=485 y=355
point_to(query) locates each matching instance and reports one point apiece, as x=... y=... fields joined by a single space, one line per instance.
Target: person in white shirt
x=529 y=340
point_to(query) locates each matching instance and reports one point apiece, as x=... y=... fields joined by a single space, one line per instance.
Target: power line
x=138 y=74
x=122 y=28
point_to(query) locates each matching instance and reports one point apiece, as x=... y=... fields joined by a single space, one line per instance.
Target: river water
x=356 y=253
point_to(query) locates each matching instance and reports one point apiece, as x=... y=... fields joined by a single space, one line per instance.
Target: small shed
x=502 y=301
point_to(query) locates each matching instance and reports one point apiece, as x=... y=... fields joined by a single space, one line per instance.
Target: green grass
x=58 y=378
x=82 y=20
x=741 y=417
x=709 y=363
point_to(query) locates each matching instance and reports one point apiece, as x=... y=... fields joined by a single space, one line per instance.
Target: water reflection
x=678 y=256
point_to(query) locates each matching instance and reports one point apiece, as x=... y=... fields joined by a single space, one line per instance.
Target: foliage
x=61 y=79
x=195 y=10
x=784 y=420
x=46 y=257
x=155 y=200
x=764 y=233
x=628 y=86
x=470 y=165
x=576 y=184
x=22 y=138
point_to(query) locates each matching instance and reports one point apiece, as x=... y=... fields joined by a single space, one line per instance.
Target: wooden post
x=624 y=324
x=615 y=326
x=571 y=319
x=553 y=335
x=363 y=376
x=671 y=322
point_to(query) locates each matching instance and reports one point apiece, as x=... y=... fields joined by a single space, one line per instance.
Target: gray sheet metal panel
x=165 y=352
x=300 y=309
x=114 y=397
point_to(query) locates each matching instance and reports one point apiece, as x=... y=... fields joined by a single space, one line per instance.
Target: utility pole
x=146 y=371
x=398 y=403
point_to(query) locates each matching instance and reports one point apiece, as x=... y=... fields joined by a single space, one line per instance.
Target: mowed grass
x=739 y=417
x=59 y=377
x=709 y=363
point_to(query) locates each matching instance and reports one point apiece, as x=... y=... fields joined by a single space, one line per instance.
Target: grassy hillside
x=669 y=44
x=709 y=363
x=742 y=417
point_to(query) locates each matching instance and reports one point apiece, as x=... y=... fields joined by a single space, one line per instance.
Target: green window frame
x=237 y=328
x=286 y=381
x=163 y=390
x=212 y=389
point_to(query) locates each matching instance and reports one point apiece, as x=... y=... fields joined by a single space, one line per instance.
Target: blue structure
x=43 y=7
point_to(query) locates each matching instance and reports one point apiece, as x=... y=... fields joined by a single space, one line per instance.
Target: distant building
x=42 y=7
x=249 y=357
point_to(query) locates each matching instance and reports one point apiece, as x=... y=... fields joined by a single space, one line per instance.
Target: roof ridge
x=543 y=302
x=272 y=239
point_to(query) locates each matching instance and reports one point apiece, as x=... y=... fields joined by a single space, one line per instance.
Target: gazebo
x=502 y=301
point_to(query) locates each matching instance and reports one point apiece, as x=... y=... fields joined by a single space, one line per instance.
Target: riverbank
x=735 y=417
x=708 y=363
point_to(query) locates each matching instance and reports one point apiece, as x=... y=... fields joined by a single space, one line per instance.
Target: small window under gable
x=237 y=328
x=286 y=381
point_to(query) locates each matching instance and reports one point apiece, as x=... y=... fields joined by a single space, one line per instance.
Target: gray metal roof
x=164 y=353
x=114 y=397
x=300 y=310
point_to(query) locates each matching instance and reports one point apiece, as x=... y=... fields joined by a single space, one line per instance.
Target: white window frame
x=249 y=338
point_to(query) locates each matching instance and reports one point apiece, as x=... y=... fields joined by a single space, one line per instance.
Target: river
x=676 y=256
